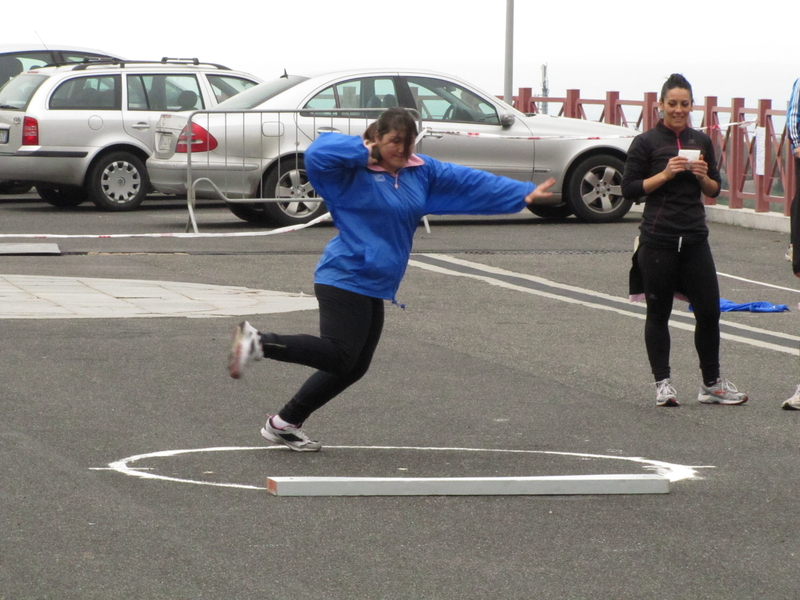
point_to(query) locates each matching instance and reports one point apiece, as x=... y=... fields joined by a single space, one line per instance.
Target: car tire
x=594 y=190
x=252 y=213
x=551 y=211
x=288 y=179
x=12 y=188
x=62 y=196
x=118 y=182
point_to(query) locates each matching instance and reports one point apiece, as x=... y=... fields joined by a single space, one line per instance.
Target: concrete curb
x=742 y=217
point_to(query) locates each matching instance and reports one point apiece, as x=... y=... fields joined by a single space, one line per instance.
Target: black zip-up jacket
x=674 y=213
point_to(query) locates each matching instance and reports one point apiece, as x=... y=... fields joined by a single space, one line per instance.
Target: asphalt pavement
x=133 y=467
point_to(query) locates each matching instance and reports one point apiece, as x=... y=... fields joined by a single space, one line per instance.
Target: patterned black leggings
x=350 y=328
x=691 y=272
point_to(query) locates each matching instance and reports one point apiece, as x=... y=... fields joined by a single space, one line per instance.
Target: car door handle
x=141 y=125
x=328 y=130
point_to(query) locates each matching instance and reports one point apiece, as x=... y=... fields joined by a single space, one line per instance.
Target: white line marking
x=762 y=283
x=618 y=300
x=671 y=471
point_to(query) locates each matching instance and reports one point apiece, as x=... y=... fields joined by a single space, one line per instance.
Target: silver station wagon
x=244 y=148
x=83 y=132
x=18 y=58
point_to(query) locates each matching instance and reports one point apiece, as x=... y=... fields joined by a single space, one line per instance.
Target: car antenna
x=285 y=74
x=41 y=40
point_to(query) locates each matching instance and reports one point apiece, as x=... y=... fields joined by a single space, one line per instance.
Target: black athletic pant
x=692 y=272
x=350 y=327
x=794 y=213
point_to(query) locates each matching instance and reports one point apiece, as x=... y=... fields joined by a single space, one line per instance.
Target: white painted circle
x=672 y=471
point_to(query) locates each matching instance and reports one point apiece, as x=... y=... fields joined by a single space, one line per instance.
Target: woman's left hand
x=699 y=168
x=540 y=192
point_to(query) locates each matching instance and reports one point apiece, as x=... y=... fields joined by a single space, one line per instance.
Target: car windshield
x=17 y=93
x=261 y=93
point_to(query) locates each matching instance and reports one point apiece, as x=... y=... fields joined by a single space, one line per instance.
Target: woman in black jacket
x=673 y=165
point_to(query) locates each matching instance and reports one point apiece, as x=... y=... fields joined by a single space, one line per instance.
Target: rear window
x=97 y=92
x=261 y=93
x=17 y=93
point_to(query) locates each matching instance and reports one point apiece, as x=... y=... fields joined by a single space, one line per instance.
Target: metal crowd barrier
x=278 y=146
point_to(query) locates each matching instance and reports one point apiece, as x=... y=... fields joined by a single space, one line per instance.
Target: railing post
x=711 y=124
x=612 y=109
x=572 y=105
x=524 y=100
x=762 y=182
x=650 y=111
x=736 y=155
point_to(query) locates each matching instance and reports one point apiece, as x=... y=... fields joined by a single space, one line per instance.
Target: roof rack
x=165 y=60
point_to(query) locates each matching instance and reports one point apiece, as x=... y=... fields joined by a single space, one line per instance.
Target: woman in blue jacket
x=377 y=191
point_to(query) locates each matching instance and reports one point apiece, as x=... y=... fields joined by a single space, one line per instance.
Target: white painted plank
x=45 y=248
x=468 y=486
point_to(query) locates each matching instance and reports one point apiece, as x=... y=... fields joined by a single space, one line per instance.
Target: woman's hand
x=370 y=145
x=540 y=192
x=699 y=169
x=676 y=164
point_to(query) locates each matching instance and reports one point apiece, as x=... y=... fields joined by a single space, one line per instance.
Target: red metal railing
x=732 y=130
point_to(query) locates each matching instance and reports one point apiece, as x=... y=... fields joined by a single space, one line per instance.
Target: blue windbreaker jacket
x=377 y=213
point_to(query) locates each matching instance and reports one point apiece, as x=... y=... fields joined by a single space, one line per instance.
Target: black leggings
x=690 y=271
x=350 y=327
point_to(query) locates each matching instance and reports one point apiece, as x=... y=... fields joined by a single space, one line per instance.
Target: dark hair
x=394 y=119
x=676 y=80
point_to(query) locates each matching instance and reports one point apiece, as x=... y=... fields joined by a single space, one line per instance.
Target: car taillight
x=201 y=140
x=30 y=132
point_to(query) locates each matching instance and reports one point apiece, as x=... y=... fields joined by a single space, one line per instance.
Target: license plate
x=3 y=136
x=163 y=142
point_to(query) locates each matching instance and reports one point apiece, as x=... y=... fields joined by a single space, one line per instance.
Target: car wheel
x=118 y=182
x=595 y=192
x=289 y=180
x=551 y=211
x=8 y=188
x=62 y=196
x=252 y=213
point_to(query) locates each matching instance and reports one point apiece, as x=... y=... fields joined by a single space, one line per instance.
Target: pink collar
x=413 y=161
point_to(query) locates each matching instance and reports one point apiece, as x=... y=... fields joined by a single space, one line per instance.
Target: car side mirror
x=507 y=120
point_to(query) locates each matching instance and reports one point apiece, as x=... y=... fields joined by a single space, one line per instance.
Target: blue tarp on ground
x=728 y=306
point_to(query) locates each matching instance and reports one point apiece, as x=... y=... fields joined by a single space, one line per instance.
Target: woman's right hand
x=371 y=160
x=676 y=164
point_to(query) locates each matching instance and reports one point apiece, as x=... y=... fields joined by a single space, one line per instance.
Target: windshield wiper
x=8 y=107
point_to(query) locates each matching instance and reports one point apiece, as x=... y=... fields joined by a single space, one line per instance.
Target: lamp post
x=509 y=64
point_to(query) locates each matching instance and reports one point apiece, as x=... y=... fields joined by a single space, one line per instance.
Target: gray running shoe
x=665 y=394
x=793 y=403
x=291 y=437
x=246 y=347
x=722 y=392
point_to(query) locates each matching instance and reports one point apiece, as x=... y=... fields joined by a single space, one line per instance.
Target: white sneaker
x=722 y=392
x=290 y=436
x=665 y=394
x=793 y=403
x=246 y=347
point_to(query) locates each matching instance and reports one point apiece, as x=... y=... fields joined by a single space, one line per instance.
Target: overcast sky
x=628 y=46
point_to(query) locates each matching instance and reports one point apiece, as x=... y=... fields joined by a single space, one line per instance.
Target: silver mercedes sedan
x=249 y=149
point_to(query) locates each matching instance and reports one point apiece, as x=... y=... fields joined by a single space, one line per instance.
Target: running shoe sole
x=280 y=441
x=238 y=356
x=668 y=402
x=708 y=399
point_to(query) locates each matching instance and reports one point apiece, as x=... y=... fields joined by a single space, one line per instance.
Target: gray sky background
x=628 y=46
